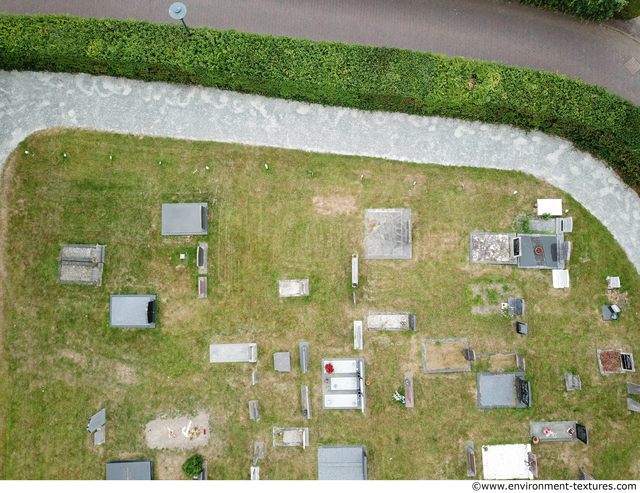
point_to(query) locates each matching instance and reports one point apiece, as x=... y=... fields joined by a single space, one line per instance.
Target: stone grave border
x=454 y=370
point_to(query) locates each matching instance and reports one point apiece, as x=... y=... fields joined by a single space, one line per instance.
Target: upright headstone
x=304 y=356
x=613 y=282
x=516 y=306
x=201 y=257
x=99 y=436
x=408 y=389
x=97 y=420
x=254 y=377
x=520 y=362
x=582 y=433
x=471 y=459
x=572 y=381
x=633 y=405
x=255 y=473
x=633 y=388
x=470 y=355
x=202 y=287
x=306 y=403
x=354 y=270
x=254 y=414
x=357 y=334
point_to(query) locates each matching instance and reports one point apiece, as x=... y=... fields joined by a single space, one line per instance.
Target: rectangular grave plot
x=572 y=382
x=390 y=321
x=258 y=452
x=254 y=377
x=254 y=413
x=493 y=248
x=609 y=360
x=498 y=389
x=304 y=356
x=445 y=355
x=387 y=234
x=291 y=437
x=633 y=405
x=255 y=473
x=99 y=436
x=202 y=287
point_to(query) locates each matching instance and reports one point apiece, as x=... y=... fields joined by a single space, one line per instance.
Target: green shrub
x=597 y=10
x=193 y=466
x=332 y=73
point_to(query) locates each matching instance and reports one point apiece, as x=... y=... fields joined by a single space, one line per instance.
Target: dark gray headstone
x=471 y=459
x=354 y=270
x=613 y=282
x=572 y=382
x=633 y=405
x=516 y=306
x=387 y=234
x=470 y=355
x=582 y=433
x=522 y=328
x=633 y=388
x=254 y=414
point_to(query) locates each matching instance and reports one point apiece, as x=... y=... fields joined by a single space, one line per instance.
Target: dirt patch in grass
x=335 y=204
x=167 y=433
x=445 y=355
x=615 y=297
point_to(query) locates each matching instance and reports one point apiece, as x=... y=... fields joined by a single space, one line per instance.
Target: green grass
x=629 y=11
x=62 y=362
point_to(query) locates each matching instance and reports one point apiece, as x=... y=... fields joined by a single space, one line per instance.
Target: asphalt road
x=480 y=29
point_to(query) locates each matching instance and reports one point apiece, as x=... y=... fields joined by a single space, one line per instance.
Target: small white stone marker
x=159 y=162
x=414 y=183
x=183 y=256
x=65 y=154
x=515 y=192
x=194 y=171
x=266 y=166
x=207 y=167
x=26 y=152
x=361 y=177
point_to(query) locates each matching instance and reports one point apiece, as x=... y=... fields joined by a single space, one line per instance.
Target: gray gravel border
x=32 y=101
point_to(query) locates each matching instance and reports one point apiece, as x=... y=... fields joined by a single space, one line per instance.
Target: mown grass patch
x=62 y=362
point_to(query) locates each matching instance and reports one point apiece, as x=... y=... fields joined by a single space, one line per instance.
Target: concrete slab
x=492 y=248
x=282 y=362
x=304 y=356
x=390 y=321
x=233 y=353
x=342 y=463
x=132 y=310
x=506 y=461
x=293 y=288
x=387 y=234
x=553 y=207
x=560 y=278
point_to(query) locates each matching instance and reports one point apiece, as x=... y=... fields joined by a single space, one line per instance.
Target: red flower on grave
x=610 y=360
x=328 y=368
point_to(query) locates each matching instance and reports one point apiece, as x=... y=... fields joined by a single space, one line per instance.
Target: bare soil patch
x=445 y=355
x=615 y=297
x=335 y=204
x=159 y=432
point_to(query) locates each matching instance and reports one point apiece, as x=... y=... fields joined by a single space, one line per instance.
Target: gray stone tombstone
x=305 y=401
x=254 y=377
x=633 y=405
x=471 y=459
x=357 y=334
x=258 y=452
x=516 y=306
x=520 y=362
x=572 y=381
x=408 y=390
x=470 y=355
x=282 y=361
x=97 y=420
x=202 y=287
x=633 y=388
x=613 y=282
x=98 y=436
x=201 y=257
x=304 y=356
x=254 y=414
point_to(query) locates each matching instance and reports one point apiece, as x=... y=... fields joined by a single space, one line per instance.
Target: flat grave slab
x=132 y=310
x=387 y=234
x=506 y=461
x=255 y=473
x=445 y=355
x=354 y=270
x=99 y=436
x=118 y=470
x=540 y=251
x=492 y=248
x=357 y=334
x=233 y=353
x=290 y=288
x=97 y=420
x=564 y=225
x=202 y=287
x=516 y=306
x=342 y=463
x=558 y=431
x=503 y=362
x=305 y=401
x=291 y=437
x=499 y=389
x=254 y=377
x=390 y=321
x=613 y=282
x=185 y=219
x=553 y=207
x=408 y=389
x=81 y=264
x=254 y=412
x=258 y=452
x=282 y=361
x=560 y=278
x=343 y=384
x=178 y=433
x=572 y=382
x=304 y=356
x=614 y=361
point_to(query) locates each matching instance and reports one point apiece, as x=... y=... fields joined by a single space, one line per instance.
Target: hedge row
x=597 y=10
x=332 y=73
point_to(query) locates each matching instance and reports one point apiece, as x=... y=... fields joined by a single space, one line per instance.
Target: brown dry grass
x=445 y=355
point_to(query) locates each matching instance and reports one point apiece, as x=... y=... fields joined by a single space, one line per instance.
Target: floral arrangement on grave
x=399 y=398
x=329 y=368
x=611 y=360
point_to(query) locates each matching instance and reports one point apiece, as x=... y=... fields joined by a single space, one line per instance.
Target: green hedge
x=332 y=73
x=597 y=10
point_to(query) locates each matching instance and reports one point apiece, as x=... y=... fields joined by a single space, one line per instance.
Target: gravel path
x=35 y=101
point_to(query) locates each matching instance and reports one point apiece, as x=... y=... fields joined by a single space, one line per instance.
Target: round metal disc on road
x=178 y=10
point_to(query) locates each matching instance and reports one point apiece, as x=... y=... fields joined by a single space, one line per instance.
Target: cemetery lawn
x=301 y=218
